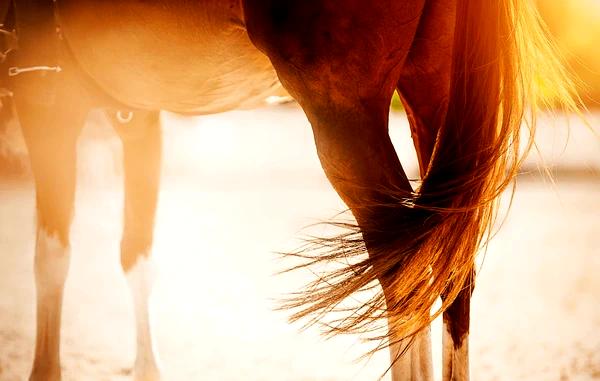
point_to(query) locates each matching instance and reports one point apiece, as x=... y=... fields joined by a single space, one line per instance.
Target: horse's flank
x=181 y=56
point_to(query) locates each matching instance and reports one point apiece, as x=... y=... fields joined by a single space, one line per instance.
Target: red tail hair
x=504 y=67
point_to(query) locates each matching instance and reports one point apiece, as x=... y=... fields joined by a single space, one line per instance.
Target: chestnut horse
x=468 y=72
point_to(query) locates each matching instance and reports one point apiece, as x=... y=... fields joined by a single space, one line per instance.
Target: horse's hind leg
x=455 y=339
x=424 y=83
x=342 y=67
x=141 y=137
x=424 y=89
x=50 y=131
x=416 y=365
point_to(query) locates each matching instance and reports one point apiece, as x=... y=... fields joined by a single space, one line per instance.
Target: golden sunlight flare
x=575 y=24
x=208 y=190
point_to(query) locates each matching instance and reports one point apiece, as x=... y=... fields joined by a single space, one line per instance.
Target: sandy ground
x=239 y=187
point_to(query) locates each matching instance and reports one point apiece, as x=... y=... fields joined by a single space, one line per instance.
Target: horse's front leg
x=50 y=129
x=141 y=137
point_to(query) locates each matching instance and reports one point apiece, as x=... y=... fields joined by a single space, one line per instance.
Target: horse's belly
x=188 y=56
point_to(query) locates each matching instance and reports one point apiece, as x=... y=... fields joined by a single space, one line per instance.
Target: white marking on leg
x=141 y=278
x=416 y=364
x=51 y=266
x=455 y=360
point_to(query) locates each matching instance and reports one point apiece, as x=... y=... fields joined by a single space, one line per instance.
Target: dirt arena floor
x=240 y=186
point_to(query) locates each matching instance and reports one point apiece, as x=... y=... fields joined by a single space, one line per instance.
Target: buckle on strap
x=10 y=42
x=13 y=71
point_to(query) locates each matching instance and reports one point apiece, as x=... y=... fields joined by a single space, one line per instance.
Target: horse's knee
x=52 y=155
x=52 y=256
x=134 y=248
x=55 y=197
x=54 y=174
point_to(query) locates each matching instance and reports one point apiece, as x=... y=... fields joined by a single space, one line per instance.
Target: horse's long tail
x=504 y=68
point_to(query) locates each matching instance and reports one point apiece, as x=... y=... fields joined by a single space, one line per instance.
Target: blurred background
x=240 y=186
x=575 y=25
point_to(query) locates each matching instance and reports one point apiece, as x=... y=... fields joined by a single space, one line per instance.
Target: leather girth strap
x=36 y=32
x=37 y=55
x=4 y=7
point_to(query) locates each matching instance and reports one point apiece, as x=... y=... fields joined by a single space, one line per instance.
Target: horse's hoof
x=146 y=373
x=147 y=376
x=38 y=374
